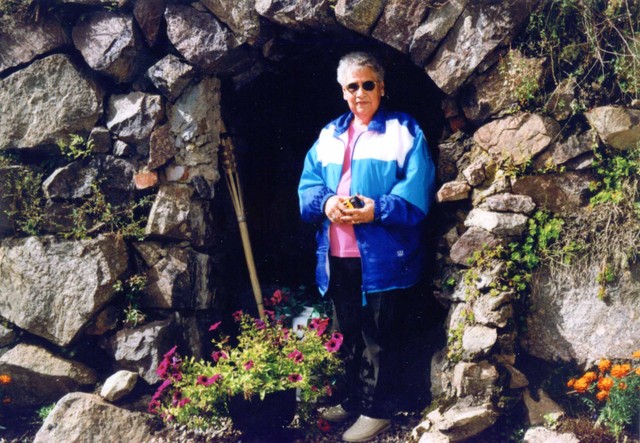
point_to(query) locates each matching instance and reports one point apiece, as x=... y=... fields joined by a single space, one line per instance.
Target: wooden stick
x=233 y=183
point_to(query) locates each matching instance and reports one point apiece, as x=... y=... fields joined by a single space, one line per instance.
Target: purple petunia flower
x=259 y=323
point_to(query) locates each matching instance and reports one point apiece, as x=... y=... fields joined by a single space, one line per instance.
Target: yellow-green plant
x=613 y=393
x=265 y=357
x=23 y=187
x=75 y=147
x=132 y=289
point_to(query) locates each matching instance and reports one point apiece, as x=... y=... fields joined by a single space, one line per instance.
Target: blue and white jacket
x=390 y=164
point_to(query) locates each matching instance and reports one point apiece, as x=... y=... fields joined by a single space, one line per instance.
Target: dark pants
x=381 y=374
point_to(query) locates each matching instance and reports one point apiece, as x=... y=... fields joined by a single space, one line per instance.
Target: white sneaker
x=365 y=428
x=336 y=414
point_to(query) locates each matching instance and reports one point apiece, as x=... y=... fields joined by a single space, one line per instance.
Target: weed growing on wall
x=75 y=147
x=23 y=191
x=132 y=289
x=595 y=41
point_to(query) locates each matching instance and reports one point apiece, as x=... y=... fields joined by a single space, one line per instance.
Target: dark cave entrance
x=274 y=120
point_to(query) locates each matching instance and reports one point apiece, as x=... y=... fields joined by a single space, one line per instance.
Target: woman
x=370 y=258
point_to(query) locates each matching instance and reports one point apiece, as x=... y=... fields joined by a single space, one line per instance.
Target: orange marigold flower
x=622 y=386
x=590 y=376
x=604 y=365
x=571 y=382
x=638 y=371
x=602 y=395
x=5 y=379
x=636 y=354
x=605 y=384
x=619 y=371
x=581 y=385
x=6 y=400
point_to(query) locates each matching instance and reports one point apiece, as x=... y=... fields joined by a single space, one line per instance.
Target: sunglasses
x=369 y=86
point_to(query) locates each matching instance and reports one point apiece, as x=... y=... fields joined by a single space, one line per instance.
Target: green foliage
x=614 y=171
x=23 y=190
x=97 y=214
x=44 y=411
x=594 y=40
x=520 y=80
x=288 y=303
x=265 y=357
x=132 y=289
x=75 y=147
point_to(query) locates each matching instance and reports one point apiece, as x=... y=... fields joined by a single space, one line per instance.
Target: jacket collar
x=377 y=123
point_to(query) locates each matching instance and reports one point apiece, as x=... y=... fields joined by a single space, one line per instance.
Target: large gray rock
x=177 y=277
x=563 y=151
x=141 y=349
x=70 y=182
x=45 y=102
x=540 y=434
x=559 y=193
x=240 y=17
x=517 y=138
x=499 y=90
x=477 y=380
x=110 y=43
x=568 y=322
x=170 y=76
x=161 y=147
x=150 y=17
x=204 y=41
x=398 y=23
x=359 y=15
x=540 y=409
x=40 y=377
x=177 y=215
x=52 y=288
x=499 y=223
x=86 y=418
x=475 y=239
x=522 y=204
x=478 y=31
x=477 y=341
x=22 y=41
x=133 y=116
x=453 y=191
x=298 y=14
x=461 y=422
x=434 y=29
x=195 y=122
x=493 y=310
x=617 y=127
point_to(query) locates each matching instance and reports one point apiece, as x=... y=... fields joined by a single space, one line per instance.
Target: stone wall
x=142 y=80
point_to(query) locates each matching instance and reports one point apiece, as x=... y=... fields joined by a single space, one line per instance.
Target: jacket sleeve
x=410 y=199
x=312 y=190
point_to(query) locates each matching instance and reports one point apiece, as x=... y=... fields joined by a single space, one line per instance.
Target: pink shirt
x=342 y=238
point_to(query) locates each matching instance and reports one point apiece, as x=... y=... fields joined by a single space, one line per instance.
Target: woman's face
x=363 y=103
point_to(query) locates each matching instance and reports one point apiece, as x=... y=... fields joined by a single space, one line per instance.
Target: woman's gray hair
x=357 y=60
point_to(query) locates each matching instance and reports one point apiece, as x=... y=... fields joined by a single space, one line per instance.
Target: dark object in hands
x=354 y=203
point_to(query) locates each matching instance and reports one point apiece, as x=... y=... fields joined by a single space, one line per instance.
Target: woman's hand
x=334 y=209
x=360 y=215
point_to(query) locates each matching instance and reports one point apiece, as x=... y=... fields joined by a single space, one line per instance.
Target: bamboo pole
x=233 y=183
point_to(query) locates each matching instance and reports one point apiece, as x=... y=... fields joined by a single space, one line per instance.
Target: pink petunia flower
x=248 y=365
x=296 y=356
x=277 y=297
x=294 y=378
x=153 y=406
x=183 y=402
x=319 y=325
x=237 y=316
x=207 y=381
x=217 y=355
x=214 y=326
x=260 y=324
x=324 y=425
x=332 y=345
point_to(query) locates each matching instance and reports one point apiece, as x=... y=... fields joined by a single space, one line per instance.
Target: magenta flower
x=329 y=390
x=324 y=425
x=207 y=381
x=163 y=387
x=248 y=365
x=218 y=355
x=259 y=323
x=296 y=356
x=183 y=402
x=294 y=378
x=153 y=406
x=319 y=325
x=270 y=314
x=332 y=345
x=237 y=316
x=214 y=326
x=170 y=353
x=162 y=369
x=277 y=297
